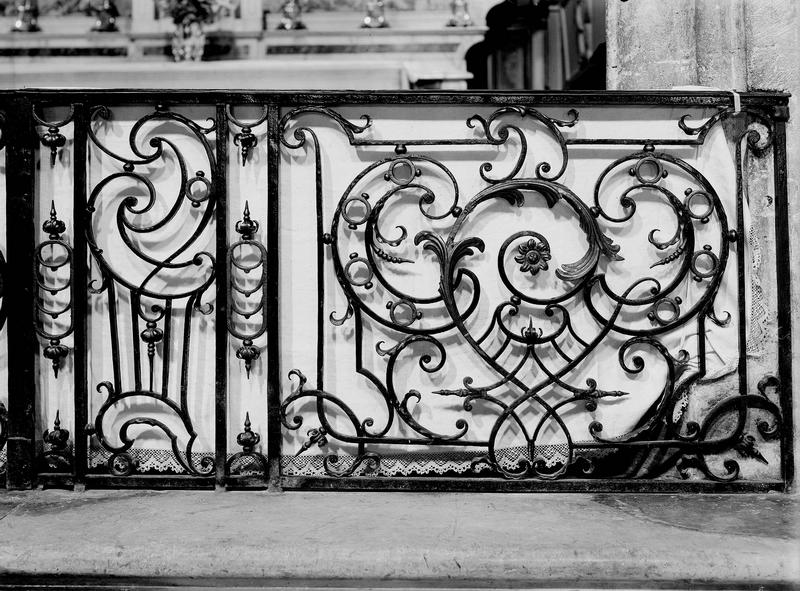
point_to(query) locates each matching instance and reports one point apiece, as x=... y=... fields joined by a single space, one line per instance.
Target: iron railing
x=396 y=290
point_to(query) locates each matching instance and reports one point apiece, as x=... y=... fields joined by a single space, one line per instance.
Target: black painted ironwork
x=245 y=256
x=248 y=462
x=533 y=345
x=58 y=456
x=53 y=138
x=164 y=289
x=51 y=256
x=521 y=354
x=245 y=139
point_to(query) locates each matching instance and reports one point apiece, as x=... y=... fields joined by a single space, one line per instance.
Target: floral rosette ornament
x=533 y=255
x=190 y=16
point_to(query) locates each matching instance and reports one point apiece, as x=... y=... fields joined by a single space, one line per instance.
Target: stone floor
x=142 y=539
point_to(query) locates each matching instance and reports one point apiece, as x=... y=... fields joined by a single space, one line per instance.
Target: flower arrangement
x=189 y=16
x=193 y=11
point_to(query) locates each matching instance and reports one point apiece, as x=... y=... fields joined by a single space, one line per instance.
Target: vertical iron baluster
x=273 y=298
x=221 y=343
x=165 y=351
x=79 y=292
x=137 y=353
x=21 y=166
x=783 y=263
x=3 y=281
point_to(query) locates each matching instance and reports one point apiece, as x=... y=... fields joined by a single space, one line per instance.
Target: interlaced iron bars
x=534 y=348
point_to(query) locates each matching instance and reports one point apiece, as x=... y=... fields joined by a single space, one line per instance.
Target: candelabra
x=27 y=17
x=460 y=14
x=291 y=12
x=106 y=18
x=376 y=15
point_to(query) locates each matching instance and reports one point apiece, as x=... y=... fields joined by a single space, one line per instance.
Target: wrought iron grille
x=413 y=290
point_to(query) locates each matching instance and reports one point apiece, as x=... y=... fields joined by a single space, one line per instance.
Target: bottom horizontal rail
x=497 y=485
x=177 y=481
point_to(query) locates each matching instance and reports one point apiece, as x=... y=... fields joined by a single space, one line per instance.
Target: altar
x=417 y=50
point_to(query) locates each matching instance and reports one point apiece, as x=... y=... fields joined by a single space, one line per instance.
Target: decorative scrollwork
x=541 y=359
x=54 y=289
x=158 y=286
x=502 y=136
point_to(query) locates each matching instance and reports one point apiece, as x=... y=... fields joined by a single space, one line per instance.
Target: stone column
x=650 y=44
x=728 y=44
x=720 y=44
x=772 y=33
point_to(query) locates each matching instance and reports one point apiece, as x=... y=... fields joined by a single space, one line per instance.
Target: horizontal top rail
x=704 y=98
x=408 y=254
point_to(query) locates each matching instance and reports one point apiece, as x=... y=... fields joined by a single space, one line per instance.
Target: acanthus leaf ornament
x=527 y=331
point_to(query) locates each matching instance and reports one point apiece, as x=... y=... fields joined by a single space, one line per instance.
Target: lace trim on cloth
x=164 y=461
x=759 y=310
x=147 y=460
x=410 y=464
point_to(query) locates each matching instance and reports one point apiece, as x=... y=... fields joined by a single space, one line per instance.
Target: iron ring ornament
x=517 y=342
x=247 y=273
x=54 y=288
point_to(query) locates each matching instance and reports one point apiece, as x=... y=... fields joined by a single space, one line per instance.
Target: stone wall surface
x=726 y=44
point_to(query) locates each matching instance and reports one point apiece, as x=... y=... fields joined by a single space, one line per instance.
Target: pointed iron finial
x=58 y=437
x=247 y=438
x=247 y=227
x=53 y=226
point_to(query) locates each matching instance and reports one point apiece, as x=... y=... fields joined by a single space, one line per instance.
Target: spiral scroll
x=157 y=285
x=540 y=347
